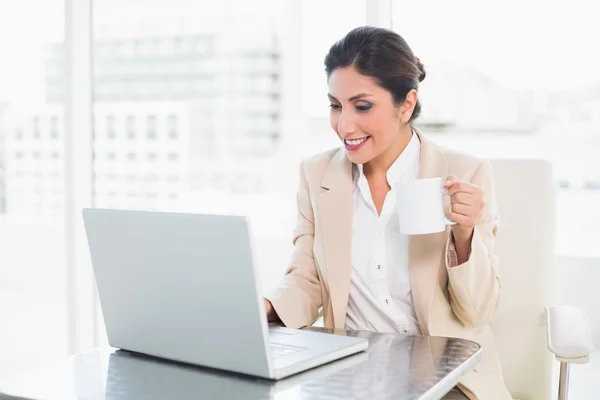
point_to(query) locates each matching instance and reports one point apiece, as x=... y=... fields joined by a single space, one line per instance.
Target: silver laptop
x=184 y=287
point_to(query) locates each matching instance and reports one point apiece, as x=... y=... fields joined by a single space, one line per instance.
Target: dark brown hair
x=382 y=55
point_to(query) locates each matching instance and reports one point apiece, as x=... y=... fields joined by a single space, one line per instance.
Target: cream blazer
x=451 y=302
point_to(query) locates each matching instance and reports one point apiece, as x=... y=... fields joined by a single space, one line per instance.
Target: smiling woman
x=351 y=257
x=380 y=65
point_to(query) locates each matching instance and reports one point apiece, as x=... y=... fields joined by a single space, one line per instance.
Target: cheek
x=373 y=125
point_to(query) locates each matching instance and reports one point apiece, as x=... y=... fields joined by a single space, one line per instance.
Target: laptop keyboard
x=280 y=350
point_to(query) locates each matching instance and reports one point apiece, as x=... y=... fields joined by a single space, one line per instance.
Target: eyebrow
x=355 y=97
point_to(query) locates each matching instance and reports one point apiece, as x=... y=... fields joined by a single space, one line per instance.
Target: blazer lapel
x=426 y=252
x=335 y=211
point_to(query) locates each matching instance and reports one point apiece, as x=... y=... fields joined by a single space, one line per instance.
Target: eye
x=335 y=107
x=364 y=107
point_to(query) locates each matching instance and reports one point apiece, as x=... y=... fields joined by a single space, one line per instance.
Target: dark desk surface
x=394 y=367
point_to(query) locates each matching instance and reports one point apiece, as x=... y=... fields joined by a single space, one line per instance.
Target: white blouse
x=380 y=297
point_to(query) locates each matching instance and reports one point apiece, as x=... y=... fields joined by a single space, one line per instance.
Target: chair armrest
x=569 y=335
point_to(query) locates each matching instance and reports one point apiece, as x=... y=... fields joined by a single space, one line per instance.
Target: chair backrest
x=526 y=198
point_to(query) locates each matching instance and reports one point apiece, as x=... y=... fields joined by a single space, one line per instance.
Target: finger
x=461 y=219
x=463 y=209
x=455 y=188
x=474 y=200
x=468 y=212
x=463 y=198
x=450 y=180
x=464 y=187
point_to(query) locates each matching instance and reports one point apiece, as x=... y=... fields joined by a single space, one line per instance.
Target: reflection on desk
x=137 y=377
x=394 y=367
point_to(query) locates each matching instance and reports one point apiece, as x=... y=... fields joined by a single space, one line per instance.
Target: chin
x=358 y=157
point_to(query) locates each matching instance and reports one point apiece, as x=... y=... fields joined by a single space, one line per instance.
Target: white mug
x=420 y=206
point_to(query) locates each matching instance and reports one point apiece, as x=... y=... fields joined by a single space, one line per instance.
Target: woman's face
x=364 y=116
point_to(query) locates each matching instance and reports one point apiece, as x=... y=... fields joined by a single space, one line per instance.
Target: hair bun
x=421 y=67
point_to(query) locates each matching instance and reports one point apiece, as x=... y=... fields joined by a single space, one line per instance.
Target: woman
x=348 y=257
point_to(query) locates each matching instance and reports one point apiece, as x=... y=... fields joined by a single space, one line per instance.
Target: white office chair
x=526 y=326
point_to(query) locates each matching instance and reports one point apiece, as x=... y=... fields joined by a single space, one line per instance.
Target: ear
x=408 y=106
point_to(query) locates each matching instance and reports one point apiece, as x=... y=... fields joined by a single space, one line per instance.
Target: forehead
x=347 y=82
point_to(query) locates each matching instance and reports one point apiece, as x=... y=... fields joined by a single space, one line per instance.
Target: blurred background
x=208 y=106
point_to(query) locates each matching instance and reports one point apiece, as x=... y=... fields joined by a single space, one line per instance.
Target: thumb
x=450 y=180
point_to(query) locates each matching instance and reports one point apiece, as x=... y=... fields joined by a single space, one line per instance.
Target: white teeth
x=356 y=142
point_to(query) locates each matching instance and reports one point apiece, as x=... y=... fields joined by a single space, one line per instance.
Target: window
x=111 y=156
x=172 y=126
x=54 y=127
x=151 y=126
x=151 y=156
x=151 y=178
x=130 y=127
x=37 y=134
x=131 y=156
x=110 y=127
x=32 y=295
x=173 y=156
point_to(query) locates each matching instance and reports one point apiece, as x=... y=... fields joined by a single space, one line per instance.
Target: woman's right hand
x=271 y=314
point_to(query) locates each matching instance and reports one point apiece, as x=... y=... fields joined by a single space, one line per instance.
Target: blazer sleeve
x=474 y=286
x=297 y=298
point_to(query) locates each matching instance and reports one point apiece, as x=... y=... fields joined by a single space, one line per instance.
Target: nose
x=346 y=124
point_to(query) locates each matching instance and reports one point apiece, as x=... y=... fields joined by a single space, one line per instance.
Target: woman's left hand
x=467 y=203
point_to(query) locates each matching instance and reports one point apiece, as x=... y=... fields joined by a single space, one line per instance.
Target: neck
x=380 y=164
